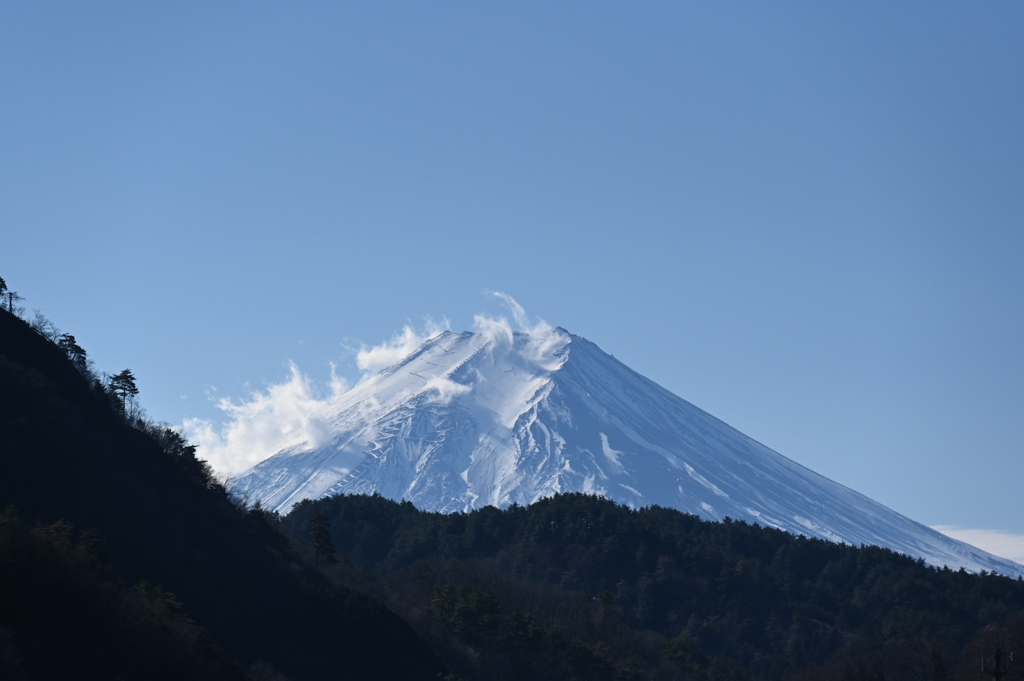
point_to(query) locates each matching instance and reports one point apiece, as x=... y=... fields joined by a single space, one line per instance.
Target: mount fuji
x=497 y=417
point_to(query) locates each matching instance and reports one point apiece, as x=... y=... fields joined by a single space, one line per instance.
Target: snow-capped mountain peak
x=499 y=417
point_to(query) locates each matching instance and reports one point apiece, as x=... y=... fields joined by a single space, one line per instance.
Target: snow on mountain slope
x=495 y=417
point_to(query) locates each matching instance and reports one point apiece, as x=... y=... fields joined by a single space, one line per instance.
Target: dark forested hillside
x=116 y=529
x=576 y=586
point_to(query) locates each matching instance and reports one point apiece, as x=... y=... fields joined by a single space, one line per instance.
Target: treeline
x=119 y=389
x=123 y=549
x=117 y=392
x=576 y=586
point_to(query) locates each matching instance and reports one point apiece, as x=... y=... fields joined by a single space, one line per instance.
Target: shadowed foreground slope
x=163 y=530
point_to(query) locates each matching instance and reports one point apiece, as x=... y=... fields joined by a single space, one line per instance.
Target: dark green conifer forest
x=122 y=557
x=575 y=586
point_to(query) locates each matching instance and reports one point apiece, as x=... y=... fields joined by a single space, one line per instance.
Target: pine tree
x=74 y=351
x=123 y=387
x=9 y=294
x=321 y=534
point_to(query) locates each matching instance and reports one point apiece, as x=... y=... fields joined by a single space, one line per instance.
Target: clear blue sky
x=805 y=218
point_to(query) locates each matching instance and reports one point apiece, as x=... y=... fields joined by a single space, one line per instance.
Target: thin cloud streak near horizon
x=1000 y=543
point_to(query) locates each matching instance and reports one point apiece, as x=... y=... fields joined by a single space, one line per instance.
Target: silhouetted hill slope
x=64 y=615
x=65 y=453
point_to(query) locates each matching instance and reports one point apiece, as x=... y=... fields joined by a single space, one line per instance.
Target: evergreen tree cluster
x=119 y=389
x=656 y=593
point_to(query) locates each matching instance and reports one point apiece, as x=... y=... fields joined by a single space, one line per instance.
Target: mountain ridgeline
x=494 y=418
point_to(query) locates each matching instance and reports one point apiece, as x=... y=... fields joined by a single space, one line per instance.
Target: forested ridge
x=576 y=586
x=121 y=556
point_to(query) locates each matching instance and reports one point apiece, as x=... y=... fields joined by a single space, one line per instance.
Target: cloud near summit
x=284 y=415
x=402 y=344
x=294 y=412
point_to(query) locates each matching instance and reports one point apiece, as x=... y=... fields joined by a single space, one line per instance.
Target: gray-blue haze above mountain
x=496 y=417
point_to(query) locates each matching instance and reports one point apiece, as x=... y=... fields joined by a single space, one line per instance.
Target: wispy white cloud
x=542 y=339
x=518 y=313
x=285 y=415
x=295 y=412
x=443 y=390
x=997 y=542
x=402 y=344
